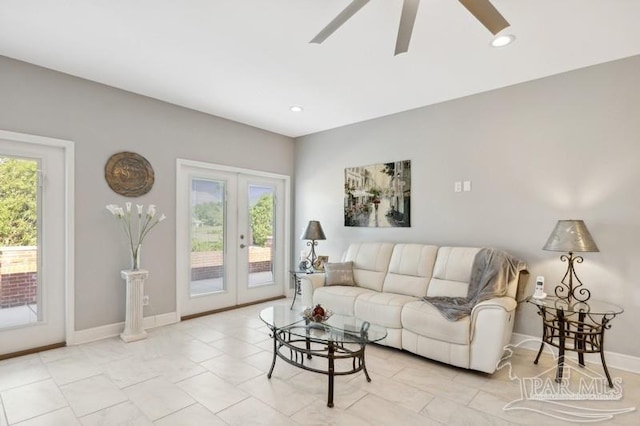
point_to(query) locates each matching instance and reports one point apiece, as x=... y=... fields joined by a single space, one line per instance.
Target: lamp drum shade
x=571 y=236
x=313 y=232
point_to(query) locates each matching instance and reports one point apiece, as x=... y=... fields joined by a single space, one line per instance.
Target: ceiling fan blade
x=407 y=19
x=337 y=22
x=488 y=15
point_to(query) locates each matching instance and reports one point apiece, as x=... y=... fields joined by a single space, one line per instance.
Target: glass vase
x=135 y=257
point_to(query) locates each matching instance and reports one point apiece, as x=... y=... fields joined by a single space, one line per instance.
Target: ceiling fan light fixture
x=296 y=108
x=503 y=40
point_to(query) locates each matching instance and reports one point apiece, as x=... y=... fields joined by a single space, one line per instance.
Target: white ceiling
x=250 y=60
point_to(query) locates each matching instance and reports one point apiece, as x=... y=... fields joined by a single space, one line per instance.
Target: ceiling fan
x=483 y=11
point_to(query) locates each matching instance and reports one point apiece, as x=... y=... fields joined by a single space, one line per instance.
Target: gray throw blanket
x=491 y=273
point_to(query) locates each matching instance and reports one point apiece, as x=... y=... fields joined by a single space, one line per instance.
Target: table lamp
x=571 y=236
x=313 y=232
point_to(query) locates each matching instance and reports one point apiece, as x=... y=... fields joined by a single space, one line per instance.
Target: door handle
x=242 y=246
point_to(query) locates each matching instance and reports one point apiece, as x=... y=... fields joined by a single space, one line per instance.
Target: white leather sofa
x=390 y=281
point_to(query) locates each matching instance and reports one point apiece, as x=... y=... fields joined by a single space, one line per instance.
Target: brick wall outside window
x=19 y=271
x=209 y=264
x=18 y=276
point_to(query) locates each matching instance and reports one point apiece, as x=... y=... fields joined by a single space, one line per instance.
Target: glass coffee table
x=341 y=340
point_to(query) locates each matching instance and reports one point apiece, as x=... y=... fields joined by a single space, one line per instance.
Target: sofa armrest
x=506 y=303
x=483 y=311
x=491 y=328
x=308 y=284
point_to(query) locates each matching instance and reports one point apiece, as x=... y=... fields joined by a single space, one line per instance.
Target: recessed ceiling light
x=503 y=40
x=296 y=108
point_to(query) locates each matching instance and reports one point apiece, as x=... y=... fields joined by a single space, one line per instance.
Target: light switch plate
x=466 y=186
x=457 y=187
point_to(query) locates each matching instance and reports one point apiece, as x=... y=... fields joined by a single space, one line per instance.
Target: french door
x=231 y=233
x=33 y=242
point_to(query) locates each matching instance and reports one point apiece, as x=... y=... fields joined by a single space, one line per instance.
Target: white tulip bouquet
x=136 y=229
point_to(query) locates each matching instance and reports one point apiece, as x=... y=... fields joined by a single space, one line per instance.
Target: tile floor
x=212 y=371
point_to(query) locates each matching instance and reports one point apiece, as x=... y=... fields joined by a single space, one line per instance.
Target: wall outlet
x=145 y=300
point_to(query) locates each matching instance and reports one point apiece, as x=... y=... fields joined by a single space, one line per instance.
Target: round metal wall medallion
x=129 y=174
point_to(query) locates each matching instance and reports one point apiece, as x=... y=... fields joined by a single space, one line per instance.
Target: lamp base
x=566 y=290
x=312 y=257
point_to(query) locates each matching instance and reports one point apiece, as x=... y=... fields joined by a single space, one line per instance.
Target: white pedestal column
x=133 y=329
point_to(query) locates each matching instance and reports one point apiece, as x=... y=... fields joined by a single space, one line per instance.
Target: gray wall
x=102 y=121
x=563 y=147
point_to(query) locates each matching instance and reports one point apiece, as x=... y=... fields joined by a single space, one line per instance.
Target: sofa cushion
x=338 y=273
x=452 y=271
x=338 y=298
x=425 y=320
x=410 y=269
x=370 y=263
x=381 y=308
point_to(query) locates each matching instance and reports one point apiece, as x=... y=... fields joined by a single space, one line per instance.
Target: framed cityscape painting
x=378 y=195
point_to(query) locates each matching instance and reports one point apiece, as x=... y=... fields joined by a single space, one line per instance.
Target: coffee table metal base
x=295 y=350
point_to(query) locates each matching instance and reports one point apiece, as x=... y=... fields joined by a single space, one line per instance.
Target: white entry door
x=33 y=246
x=231 y=233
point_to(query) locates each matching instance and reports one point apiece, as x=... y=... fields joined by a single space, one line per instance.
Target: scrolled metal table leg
x=331 y=374
x=606 y=370
x=535 y=361
x=308 y=340
x=605 y=320
x=544 y=335
x=561 y=346
x=364 y=367
x=275 y=346
x=296 y=289
x=580 y=342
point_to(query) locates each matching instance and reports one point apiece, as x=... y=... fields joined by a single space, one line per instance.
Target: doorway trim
x=181 y=162
x=68 y=148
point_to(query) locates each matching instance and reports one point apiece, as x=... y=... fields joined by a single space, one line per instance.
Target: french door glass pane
x=261 y=241
x=207 y=236
x=19 y=257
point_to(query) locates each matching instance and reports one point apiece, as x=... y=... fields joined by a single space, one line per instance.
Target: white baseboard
x=111 y=330
x=160 y=320
x=613 y=359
